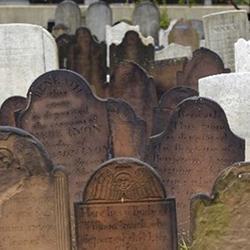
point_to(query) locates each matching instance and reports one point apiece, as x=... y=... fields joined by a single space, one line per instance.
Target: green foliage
x=165 y=20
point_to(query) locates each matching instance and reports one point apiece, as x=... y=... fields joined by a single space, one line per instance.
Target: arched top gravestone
x=222 y=219
x=191 y=152
x=147 y=15
x=33 y=195
x=125 y=206
x=98 y=15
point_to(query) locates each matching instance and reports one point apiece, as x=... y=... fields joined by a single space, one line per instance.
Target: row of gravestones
x=80 y=131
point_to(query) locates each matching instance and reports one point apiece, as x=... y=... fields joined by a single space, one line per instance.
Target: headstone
x=73 y=125
x=190 y=153
x=203 y=63
x=26 y=51
x=222 y=30
x=33 y=196
x=132 y=84
x=231 y=91
x=9 y=109
x=68 y=13
x=98 y=15
x=125 y=207
x=198 y=26
x=173 y=50
x=163 y=34
x=222 y=220
x=133 y=49
x=164 y=73
x=147 y=15
x=184 y=34
x=88 y=58
x=167 y=105
x=242 y=55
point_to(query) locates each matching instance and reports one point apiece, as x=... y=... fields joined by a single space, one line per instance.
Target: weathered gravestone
x=98 y=15
x=73 y=125
x=167 y=105
x=183 y=33
x=198 y=26
x=132 y=84
x=190 y=153
x=9 y=110
x=33 y=196
x=221 y=221
x=125 y=207
x=164 y=73
x=222 y=30
x=68 y=13
x=26 y=51
x=88 y=58
x=242 y=55
x=232 y=92
x=133 y=49
x=203 y=63
x=147 y=15
x=173 y=50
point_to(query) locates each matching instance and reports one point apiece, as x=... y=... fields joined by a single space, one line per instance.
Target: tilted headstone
x=191 y=152
x=147 y=15
x=33 y=196
x=98 y=15
x=26 y=51
x=164 y=73
x=125 y=207
x=73 y=125
x=167 y=105
x=9 y=110
x=242 y=55
x=68 y=13
x=88 y=58
x=173 y=50
x=132 y=84
x=203 y=63
x=222 y=220
x=222 y=30
x=232 y=92
x=184 y=34
x=133 y=49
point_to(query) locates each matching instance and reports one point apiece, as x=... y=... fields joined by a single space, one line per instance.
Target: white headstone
x=232 y=93
x=147 y=16
x=69 y=14
x=98 y=15
x=222 y=30
x=242 y=55
x=26 y=52
x=163 y=34
x=173 y=51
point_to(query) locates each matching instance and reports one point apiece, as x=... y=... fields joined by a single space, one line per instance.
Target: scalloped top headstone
x=203 y=63
x=147 y=15
x=222 y=220
x=33 y=195
x=222 y=30
x=68 y=13
x=125 y=207
x=26 y=51
x=98 y=15
x=191 y=152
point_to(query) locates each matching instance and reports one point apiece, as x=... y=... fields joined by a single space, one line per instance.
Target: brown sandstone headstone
x=167 y=105
x=88 y=58
x=125 y=207
x=203 y=63
x=33 y=196
x=132 y=49
x=132 y=84
x=9 y=109
x=164 y=73
x=190 y=153
x=221 y=221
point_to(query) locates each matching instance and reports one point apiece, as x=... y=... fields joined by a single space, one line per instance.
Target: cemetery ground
x=124 y=135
